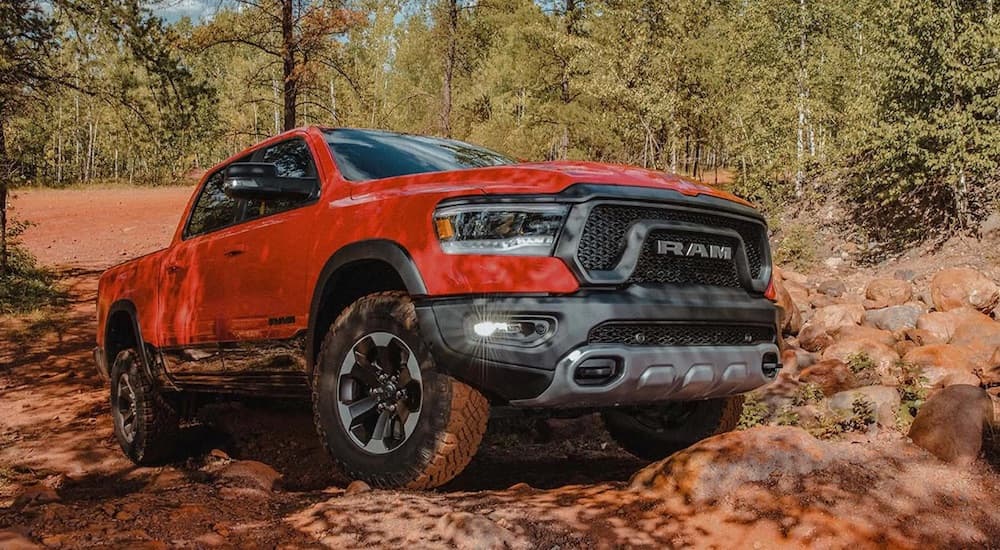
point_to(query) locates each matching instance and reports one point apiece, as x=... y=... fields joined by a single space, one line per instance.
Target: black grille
x=693 y=270
x=671 y=334
x=603 y=239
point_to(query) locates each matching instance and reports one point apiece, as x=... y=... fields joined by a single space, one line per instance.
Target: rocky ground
x=872 y=436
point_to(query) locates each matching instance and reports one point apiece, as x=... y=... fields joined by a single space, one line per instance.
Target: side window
x=292 y=160
x=213 y=209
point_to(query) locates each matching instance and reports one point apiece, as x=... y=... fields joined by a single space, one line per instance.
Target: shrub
x=755 y=413
x=787 y=416
x=25 y=286
x=863 y=368
x=807 y=394
x=862 y=415
x=912 y=392
x=797 y=247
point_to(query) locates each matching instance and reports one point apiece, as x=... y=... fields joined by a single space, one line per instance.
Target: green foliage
x=797 y=247
x=25 y=286
x=863 y=367
x=807 y=394
x=787 y=416
x=913 y=392
x=830 y=425
x=862 y=415
x=755 y=412
x=931 y=156
x=888 y=106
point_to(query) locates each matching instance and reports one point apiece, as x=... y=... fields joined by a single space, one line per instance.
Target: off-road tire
x=453 y=415
x=156 y=422
x=683 y=425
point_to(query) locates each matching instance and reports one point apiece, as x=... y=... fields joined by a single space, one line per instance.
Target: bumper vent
x=669 y=334
x=603 y=240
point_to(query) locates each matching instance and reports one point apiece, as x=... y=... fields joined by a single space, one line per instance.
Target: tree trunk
x=800 y=138
x=277 y=116
x=290 y=92
x=449 y=67
x=4 y=178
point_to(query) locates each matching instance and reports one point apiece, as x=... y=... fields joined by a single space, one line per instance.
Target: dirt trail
x=64 y=482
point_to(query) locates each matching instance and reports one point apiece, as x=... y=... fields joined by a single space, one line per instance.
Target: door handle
x=234 y=252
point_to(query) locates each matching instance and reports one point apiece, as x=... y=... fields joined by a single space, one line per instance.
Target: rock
x=905 y=346
x=799 y=293
x=792 y=276
x=950 y=424
x=789 y=361
x=894 y=318
x=883 y=357
x=833 y=262
x=885 y=399
x=982 y=338
x=813 y=337
x=791 y=318
x=468 y=530
x=832 y=376
x=890 y=292
x=250 y=473
x=942 y=324
x=904 y=274
x=943 y=365
x=833 y=288
x=34 y=495
x=990 y=227
x=817 y=301
x=167 y=479
x=520 y=486
x=357 y=487
x=219 y=454
x=963 y=287
x=831 y=317
x=923 y=337
x=13 y=540
x=804 y=358
x=211 y=540
x=854 y=332
x=713 y=468
x=991 y=372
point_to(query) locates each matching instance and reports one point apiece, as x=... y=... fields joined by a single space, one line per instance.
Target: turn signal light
x=772 y=292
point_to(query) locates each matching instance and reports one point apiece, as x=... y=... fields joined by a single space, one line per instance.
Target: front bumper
x=545 y=374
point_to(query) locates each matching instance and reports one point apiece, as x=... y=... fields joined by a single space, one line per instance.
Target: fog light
x=520 y=331
x=486 y=329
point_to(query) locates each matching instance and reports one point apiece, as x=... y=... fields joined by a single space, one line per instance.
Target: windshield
x=373 y=154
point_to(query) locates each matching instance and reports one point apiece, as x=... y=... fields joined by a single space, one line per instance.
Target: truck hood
x=535 y=178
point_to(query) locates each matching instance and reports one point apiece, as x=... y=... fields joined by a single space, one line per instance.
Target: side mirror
x=260 y=181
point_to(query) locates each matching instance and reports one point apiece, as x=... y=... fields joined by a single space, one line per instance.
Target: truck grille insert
x=681 y=270
x=603 y=240
x=673 y=334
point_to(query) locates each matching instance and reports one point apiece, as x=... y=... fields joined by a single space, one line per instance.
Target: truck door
x=192 y=294
x=267 y=309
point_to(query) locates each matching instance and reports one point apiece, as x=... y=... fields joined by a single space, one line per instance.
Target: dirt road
x=64 y=482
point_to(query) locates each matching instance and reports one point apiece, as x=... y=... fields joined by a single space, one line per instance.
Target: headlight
x=515 y=229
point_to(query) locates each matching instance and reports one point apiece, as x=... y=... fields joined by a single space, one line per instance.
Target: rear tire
x=655 y=432
x=145 y=423
x=375 y=373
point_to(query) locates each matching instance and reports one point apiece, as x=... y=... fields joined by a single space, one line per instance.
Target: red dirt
x=98 y=227
x=64 y=482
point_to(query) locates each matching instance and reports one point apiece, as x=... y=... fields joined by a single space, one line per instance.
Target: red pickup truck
x=407 y=284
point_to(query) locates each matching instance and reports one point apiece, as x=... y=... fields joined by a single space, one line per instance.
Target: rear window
x=373 y=154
